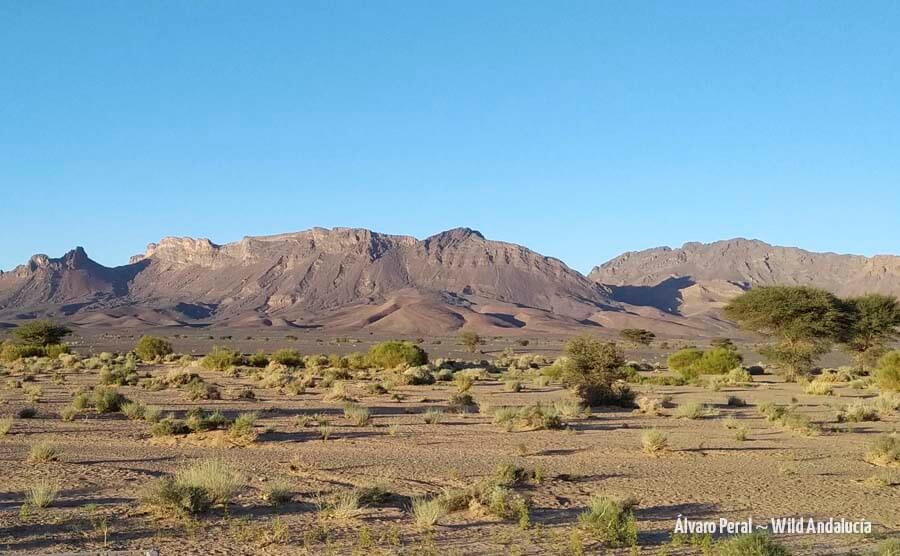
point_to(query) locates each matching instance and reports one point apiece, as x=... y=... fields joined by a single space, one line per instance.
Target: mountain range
x=346 y=279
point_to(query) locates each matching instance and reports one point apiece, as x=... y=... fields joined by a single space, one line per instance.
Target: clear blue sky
x=579 y=129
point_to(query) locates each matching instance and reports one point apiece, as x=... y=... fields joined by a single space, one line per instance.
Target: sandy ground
x=707 y=474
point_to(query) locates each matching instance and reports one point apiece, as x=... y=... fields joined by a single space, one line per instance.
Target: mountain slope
x=340 y=278
x=700 y=277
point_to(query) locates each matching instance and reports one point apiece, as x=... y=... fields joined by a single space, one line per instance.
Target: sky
x=578 y=129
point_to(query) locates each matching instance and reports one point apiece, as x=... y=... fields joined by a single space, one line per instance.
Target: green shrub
x=754 y=544
x=41 y=494
x=169 y=427
x=888 y=372
x=857 y=412
x=119 y=376
x=243 y=427
x=611 y=521
x=718 y=361
x=388 y=355
x=885 y=451
x=258 y=359
x=166 y=494
x=654 y=441
x=107 y=400
x=692 y=410
x=288 y=357
x=220 y=359
x=594 y=370
x=53 y=351
x=683 y=361
x=150 y=348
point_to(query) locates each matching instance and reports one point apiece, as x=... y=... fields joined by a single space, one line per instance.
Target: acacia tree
x=875 y=319
x=803 y=321
x=41 y=332
x=594 y=370
x=470 y=340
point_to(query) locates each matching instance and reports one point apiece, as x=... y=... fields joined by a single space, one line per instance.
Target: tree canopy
x=40 y=332
x=791 y=313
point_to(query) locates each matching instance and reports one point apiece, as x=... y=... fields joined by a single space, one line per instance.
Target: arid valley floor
x=105 y=462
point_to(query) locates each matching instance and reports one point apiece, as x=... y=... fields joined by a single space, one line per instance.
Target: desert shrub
x=462 y=402
x=654 y=441
x=788 y=418
x=692 y=410
x=427 y=511
x=857 y=412
x=753 y=544
x=388 y=355
x=771 y=411
x=338 y=393
x=343 y=506
x=198 y=389
x=717 y=361
x=69 y=413
x=611 y=521
x=358 y=415
x=470 y=340
x=799 y=423
x=649 y=406
x=243 y=427
x=278 y=492
x=417 y=375
x=888 y=372
x=258 y=359
x=512 y=386
x=169 y=427
x=107 y=400
x=198 y=420
x=6 y=424
x=288 y=357
x=569 y=408
x=683 y=361
x=593 y=369
x=638 y=336
x=885 y=451
x=433 y=416
x=819 y=388
x=886 y=403
x=53 y=351
x=134 y=410
x=193 y=490
x=463 y=382
x=40 y=333
x=220 y=359
x=167 y=495
x=538 y=417
x=118 y=376
x=41 y=494
x=502 y=502
x=529 y=417
x=150 y=348
x=358 y=361
x=43 y=453
x=215 y=477
x=889 y=547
